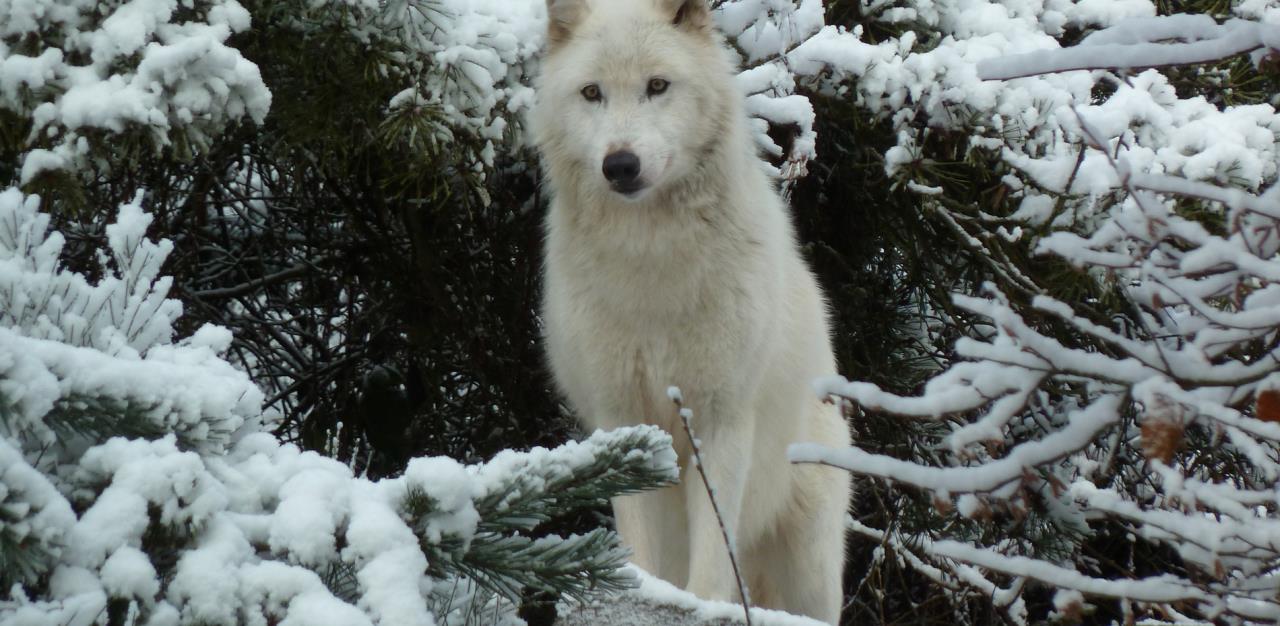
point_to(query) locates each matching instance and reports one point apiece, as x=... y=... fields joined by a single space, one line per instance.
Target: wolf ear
x=562 y=17
x=692 y=15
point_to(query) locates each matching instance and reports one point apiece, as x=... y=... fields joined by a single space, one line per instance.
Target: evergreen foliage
x=531 y=488
x=133 y=476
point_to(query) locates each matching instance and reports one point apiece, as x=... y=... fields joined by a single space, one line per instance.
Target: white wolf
x=671 y=260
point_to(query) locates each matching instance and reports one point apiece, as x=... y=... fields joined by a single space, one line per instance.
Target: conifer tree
x=138 y=480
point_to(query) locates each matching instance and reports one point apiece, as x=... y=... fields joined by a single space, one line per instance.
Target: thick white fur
x=696 y=282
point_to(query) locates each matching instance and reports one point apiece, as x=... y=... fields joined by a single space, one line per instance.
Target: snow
x=128 y=573
x=312 y=504
x=392 y=597
x=188 y=81
x=65 y=341
x=125 y=312
x=657 y=603
x=1133 y=44
x=1066 y=601
x=1084 y=425
x=454 y=513
x=49 y=517
x=946 y=573
x=1166 y=588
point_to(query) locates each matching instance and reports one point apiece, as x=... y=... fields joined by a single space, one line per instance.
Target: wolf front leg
x=724 y=445
x=652 y=525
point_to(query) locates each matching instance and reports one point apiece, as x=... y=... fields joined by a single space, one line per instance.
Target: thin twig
x=685 y=415
x=257 y=283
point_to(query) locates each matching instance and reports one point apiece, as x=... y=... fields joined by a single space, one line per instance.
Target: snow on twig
x=1083 y=426
x=1166 y=588
x=954 y=576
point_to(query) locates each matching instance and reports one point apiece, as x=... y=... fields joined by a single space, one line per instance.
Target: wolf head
x=632 y=94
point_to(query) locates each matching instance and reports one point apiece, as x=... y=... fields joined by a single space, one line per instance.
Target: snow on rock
x=657 y=603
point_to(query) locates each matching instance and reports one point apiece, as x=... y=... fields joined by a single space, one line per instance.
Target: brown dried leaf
x=1160 y=438
x=1267 y=408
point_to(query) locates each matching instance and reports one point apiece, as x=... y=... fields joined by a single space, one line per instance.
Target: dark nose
x=621 y=167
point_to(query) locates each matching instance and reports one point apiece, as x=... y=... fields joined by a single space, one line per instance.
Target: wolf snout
x=622 y=170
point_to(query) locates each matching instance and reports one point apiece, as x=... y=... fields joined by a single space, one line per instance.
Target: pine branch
x=34 y=520
x=21 y=561
x=545 y=485
x=523 y=489
x=98 y=418
x=340 y=578
x=575 y=566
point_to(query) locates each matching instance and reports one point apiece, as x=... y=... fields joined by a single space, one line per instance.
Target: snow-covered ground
x=657 y=603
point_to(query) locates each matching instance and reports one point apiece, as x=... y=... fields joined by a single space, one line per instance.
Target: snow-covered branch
x=1159 y=417
x=1141 y=43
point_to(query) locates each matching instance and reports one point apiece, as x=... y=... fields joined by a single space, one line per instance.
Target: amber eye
x=591 y=92
x=657 y=86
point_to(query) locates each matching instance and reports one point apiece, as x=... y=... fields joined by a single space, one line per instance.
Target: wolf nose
x=621 y=167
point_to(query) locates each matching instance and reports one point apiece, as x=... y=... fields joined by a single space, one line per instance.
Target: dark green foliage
x=22 y=561
x=888 y=267
x=576 y=566
x=99 y=419
x=90 y=419
x=534 y=493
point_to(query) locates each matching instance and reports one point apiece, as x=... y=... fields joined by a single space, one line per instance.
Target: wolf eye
x=657 y=86
x=591 y=92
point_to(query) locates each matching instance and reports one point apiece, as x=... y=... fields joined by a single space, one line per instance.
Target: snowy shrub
x=73 y=72
x=465 y=64
x=1149 y=403
x=83 y=358
x=137 y=484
